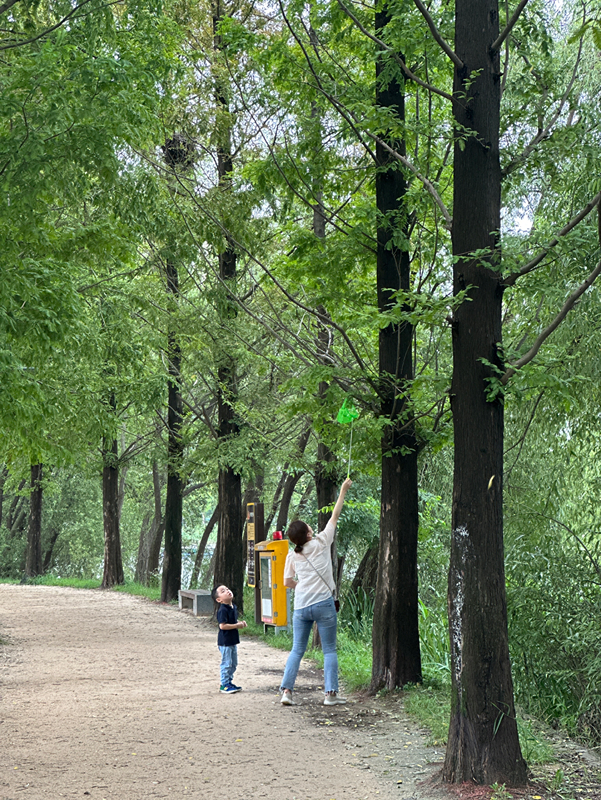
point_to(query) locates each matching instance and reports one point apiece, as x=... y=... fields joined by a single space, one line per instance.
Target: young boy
x=228 y=637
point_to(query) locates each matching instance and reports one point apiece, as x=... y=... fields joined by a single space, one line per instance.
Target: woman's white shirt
x=313 y=569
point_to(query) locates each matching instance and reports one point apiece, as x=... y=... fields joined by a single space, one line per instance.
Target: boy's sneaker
x=334 y=699
x=287 y=699
x=229 y=689
x=237 y=688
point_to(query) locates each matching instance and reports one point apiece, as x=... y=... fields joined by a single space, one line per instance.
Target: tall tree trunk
x=326 y=479
x=396 y=651
x=33 y=557
x=229 y=568
x=172 y=559
x=113 y=566
x=483 y=745
x=202 y=547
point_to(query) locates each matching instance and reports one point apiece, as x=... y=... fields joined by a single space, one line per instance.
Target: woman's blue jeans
x=324 y=614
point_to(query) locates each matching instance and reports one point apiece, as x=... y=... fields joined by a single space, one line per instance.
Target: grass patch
x=536 y=749
x=72 y=583
x=139 y=590
x=431 y=707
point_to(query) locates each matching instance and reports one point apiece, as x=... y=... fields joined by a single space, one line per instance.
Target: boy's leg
x=301 y=628
x=234 y=661
x=226 y=664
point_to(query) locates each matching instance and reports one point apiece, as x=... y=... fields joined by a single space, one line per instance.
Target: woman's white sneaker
x=287 y=699
x=333 y=699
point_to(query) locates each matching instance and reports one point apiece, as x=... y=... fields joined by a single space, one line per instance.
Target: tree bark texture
x=113 y=565
x=483 y=745
x=172 y=559
x=229 y=557
x=396 y=649
x=33 y=556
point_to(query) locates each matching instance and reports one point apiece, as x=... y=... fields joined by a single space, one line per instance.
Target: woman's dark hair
x=298 y=533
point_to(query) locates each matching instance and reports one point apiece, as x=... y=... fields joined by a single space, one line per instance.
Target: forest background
x=219 y=222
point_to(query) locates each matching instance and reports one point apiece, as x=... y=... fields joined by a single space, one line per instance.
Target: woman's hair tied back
x=298 y=533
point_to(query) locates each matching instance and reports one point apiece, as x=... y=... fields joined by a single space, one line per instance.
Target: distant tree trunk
x=289 y=486
x=202 y=546
x=155 y=536
x=292 y=479
x=54 y=534
x=178 y=153
x=367 y=571
x=122 y=478
x=396 y=650
x=210 y=571
x=113 y=566
x=305 y=497
x=483 y=745
x=33 y=556
x=172 y=559
x=229 y=557
x=3 y=477
x=15 y=510
x=277 y=497
x=326 y=478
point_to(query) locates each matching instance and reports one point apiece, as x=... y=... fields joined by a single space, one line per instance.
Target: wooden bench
x=199 y=600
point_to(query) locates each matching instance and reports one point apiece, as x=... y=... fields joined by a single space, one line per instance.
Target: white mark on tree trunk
x=461 y=543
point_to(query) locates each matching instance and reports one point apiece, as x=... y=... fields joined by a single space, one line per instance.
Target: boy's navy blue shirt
x=229 y=615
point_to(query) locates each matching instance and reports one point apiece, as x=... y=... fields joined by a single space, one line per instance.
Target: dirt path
x=104 y=695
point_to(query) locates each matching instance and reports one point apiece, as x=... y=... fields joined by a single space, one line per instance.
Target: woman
x=314 y=589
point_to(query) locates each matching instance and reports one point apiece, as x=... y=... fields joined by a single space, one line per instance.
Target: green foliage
x=431 y=706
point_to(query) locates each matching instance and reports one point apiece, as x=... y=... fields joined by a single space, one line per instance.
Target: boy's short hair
x=214 y=592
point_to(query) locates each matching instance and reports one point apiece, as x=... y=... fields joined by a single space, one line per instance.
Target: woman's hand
x=340 y=502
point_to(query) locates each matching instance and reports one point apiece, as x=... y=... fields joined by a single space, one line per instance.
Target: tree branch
x=351 y=118
x=544 y=133
x=520 y=442
x=511 y=279
x=567 y=306
x=396 y=56
x=54 y=27
x=437 y=35
x=7 y=5
x=428 y=185
x=507 y=30
x=578 y=539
